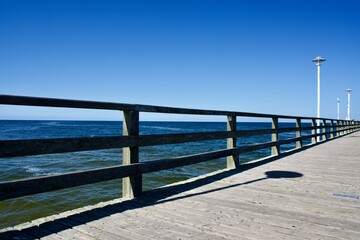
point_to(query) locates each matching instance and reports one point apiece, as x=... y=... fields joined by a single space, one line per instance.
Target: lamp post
x=318 y=61
x=338 y=108
x=348 y=106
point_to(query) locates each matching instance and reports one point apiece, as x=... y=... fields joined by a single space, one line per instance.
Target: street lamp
x=348 y=106
x=318 y=61
x=338 y=108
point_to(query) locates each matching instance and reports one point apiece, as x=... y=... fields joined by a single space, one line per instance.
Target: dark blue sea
x=15 y=211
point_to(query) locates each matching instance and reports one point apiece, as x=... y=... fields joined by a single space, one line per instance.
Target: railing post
x=324 y=137
x=131 y=186
x=275 y=150
x=332 y=129
x=233 y=160
x=349 y=126
x=353 y=126
x=341 y=128
x=313 y=131
x=345 y=127
x=298 y=133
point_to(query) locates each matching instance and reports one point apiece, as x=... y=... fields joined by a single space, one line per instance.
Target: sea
x=23 y=209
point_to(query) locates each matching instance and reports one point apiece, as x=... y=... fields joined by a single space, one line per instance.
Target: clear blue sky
x=250 y=55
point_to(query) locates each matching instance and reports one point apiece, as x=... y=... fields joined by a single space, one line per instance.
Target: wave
x=164 y=128
x=16 y=129
x=34 y=170
x=51 y=123
x=37 y=171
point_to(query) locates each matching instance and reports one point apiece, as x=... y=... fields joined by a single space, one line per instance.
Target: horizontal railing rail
x=16 y=148
x=132 y=169
x=66 y=103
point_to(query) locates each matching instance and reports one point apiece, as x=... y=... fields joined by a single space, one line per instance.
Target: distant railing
x=132 y=169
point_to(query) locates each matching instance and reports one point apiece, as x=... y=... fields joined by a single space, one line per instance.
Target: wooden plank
x=298 y=133
x=63 y=103
x=24 y=187
x=131 y=185
x=324 y=132
x=332 y=129
x=223 y=220
x=195 y=226
x=100 y=226
x=13 y=148
x=232 y=161
x=163 y=164
x=275 y=150
x=271 y=216
x=64 y=231
x=66 y=103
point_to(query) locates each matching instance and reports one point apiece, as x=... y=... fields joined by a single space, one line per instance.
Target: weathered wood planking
x=245 y=203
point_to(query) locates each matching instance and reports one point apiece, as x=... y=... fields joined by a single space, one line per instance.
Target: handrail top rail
x=69 y=103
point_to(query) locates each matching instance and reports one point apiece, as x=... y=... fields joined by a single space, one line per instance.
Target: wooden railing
x=132 y=169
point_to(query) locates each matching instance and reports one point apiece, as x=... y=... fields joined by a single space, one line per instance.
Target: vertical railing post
x=275 y=150
x=298 y=133
x=313 y=131
x=346 y=127
x=349 y=126
x=332 y=129
x=353 y=126
x=337 y=128
x=324 y=137
x=233 y=160
x=341 y=128
x=131 y=186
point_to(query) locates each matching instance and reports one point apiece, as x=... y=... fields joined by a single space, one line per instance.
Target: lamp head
x=319 y=59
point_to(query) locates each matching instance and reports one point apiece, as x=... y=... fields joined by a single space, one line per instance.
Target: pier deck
x=312 y=194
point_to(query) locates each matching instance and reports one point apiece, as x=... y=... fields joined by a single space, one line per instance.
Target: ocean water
x=19 y=210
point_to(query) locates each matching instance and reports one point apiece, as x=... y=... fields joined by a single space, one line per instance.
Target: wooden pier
x=310 y=192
